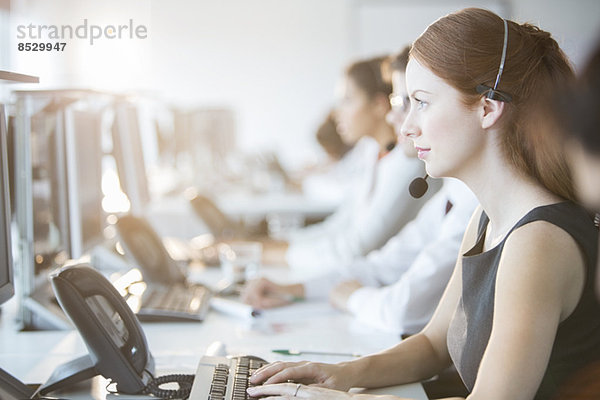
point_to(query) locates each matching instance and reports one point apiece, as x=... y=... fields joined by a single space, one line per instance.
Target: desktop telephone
x=220 y=225
x=168 y=295
x=217 y=222
x=117 y=346
x=118 y=349
x=141 y=242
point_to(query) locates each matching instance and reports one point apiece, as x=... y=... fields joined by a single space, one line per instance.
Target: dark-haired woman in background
x=378 y=206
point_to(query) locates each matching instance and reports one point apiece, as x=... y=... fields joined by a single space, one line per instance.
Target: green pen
x=290 y=298
x=293 y=352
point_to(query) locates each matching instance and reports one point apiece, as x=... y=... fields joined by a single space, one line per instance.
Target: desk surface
x=177 y=347
x=173 y=216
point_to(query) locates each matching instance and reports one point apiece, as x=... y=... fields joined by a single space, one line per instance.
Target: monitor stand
x=13 y=389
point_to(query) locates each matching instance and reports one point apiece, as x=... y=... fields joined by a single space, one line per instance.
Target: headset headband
x=494 y=93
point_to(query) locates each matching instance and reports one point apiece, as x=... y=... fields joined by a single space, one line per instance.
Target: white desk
x=241 y=204
x=177 y=347
x=174 y=216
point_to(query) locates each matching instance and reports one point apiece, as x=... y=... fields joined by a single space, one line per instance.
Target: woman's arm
x=414 y=359
x=540 y=280
x=425 y=354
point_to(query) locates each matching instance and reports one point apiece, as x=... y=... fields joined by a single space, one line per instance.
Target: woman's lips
x=422 y=152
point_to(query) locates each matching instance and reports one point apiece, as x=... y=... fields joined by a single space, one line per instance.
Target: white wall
x=275 y=61
x=574 y=24
x=384 y=25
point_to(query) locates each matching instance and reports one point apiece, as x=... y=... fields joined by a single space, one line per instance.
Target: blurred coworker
x=397 y=287
x=332 y=180
x=575 y=115
x=578 y=112
x=330 y=139
x=379 y=206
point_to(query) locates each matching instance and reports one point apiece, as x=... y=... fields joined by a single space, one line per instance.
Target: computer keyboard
x=222 y=378
x=174 y=303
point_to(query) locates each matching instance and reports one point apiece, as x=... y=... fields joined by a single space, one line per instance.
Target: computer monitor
x=10 y=387
x=129 y=156
x=10 y=142
x=49 y=193
x=7 y=289
x=60 y=204
x=211 y=140
x=83 y=141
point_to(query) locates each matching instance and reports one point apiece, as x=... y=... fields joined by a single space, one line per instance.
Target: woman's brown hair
x=395 y=62
x=465 y=48
x=330 y=139
x=368 y=76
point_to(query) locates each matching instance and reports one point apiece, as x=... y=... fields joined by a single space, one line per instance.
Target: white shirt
x=335 y=183
x=404 y=281
x=378 y=209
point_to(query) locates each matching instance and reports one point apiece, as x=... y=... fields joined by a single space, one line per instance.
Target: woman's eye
x=420 y=104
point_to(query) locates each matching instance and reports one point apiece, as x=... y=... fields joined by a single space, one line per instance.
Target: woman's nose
x=409 y=128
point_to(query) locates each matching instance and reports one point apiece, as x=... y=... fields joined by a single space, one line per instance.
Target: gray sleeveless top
x=577 y=341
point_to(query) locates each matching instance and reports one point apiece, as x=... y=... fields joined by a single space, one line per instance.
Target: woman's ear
x=492 y=110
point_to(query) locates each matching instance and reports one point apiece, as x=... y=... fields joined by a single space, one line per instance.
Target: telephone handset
x=142 y=243
x=117 y=346
x=220 y=225
x=217 y=222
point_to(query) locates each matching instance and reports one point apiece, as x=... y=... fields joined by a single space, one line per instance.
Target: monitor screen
x=129 y=156
x=6 y=274
x=211 y=138
x=84 y=170
x=49 y=209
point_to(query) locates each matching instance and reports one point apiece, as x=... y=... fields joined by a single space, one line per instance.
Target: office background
x=274 y=63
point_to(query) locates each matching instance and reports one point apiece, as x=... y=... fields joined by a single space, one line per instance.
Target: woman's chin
x=433 y=172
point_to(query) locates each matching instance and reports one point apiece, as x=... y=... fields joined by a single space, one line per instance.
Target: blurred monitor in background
x=204 y=141
x=59 y=188
x=128 y=154
x=84 y=171
x=10 y=387
x=49 y=187
x=7 y=288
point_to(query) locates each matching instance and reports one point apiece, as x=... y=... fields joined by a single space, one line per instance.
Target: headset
x=494 y=93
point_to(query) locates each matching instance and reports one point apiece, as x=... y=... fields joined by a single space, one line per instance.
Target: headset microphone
x=418 y=187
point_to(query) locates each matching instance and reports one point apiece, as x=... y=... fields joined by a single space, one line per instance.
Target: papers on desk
x=410 y=391
x=298 y=311
x=234 y=308
x=292 y=313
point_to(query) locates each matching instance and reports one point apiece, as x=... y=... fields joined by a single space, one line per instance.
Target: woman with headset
x=519 y=315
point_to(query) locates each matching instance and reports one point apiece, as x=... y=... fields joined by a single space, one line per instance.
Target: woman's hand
x=332 y=376
x=263 y=293
x=339 y=295
x=273 y=252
